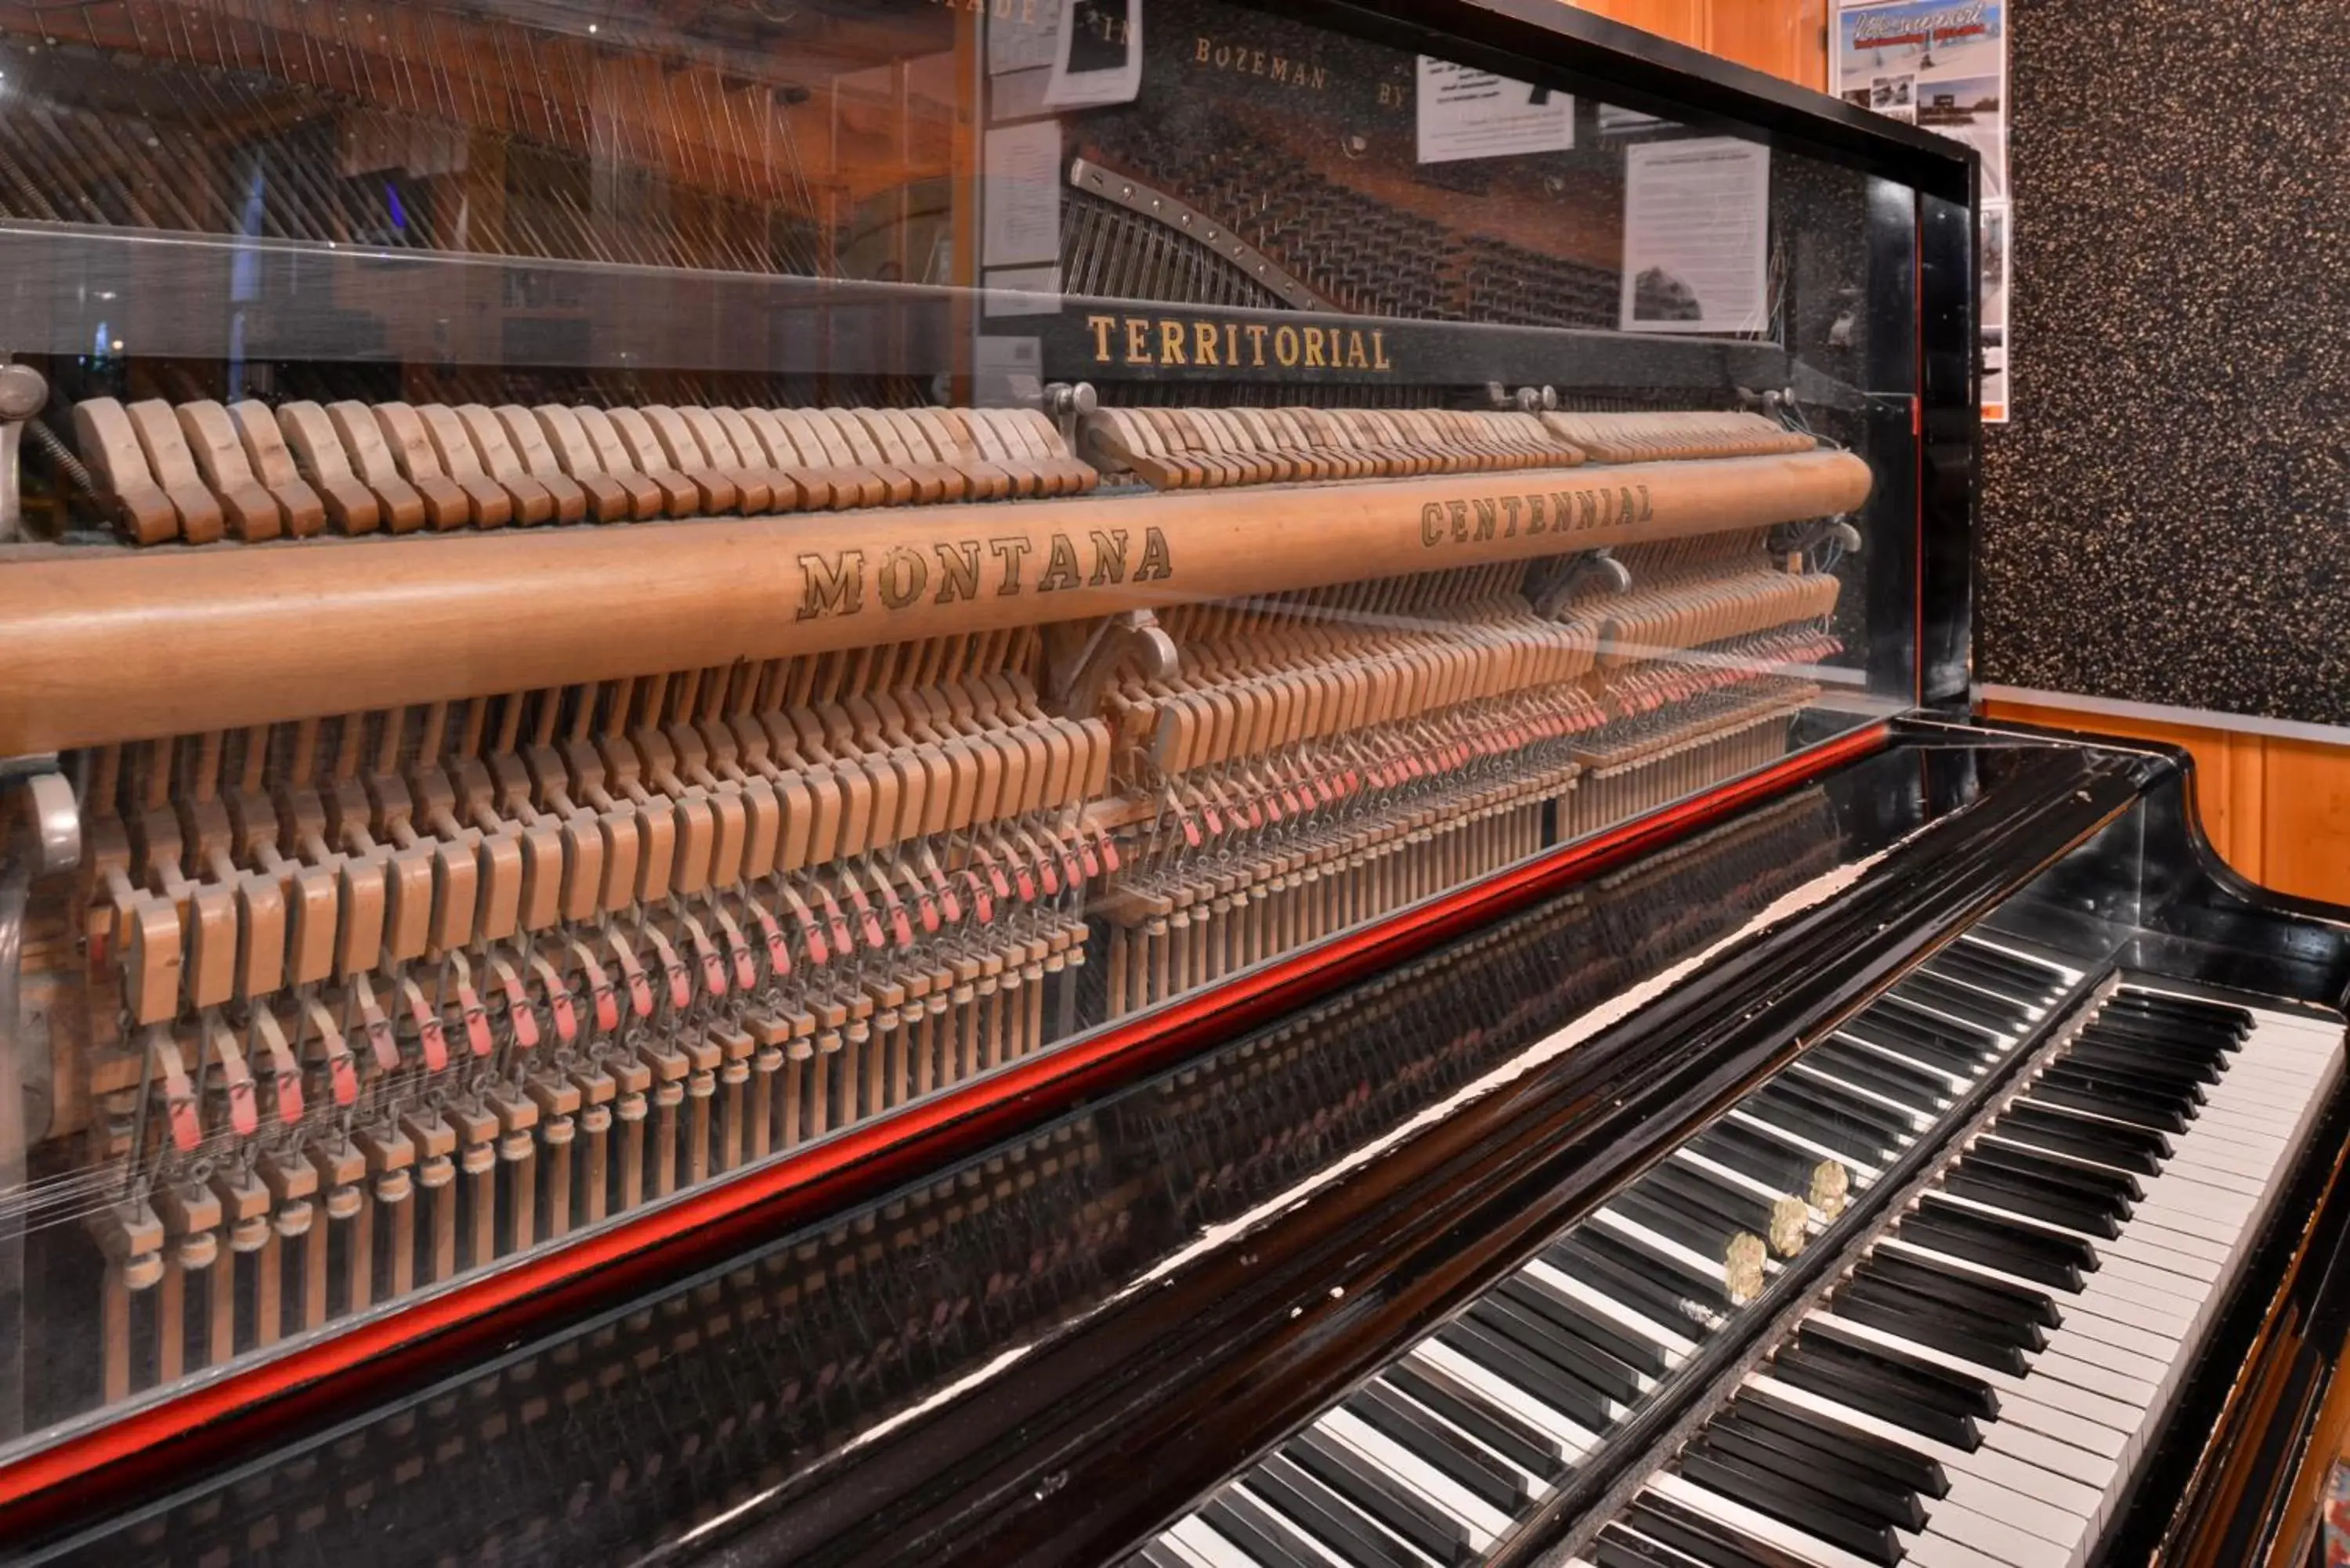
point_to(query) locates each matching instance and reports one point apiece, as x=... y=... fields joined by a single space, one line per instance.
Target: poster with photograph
x=1998 y=241
x=1696 y=237
x=1465 y=113
x=1941 y=65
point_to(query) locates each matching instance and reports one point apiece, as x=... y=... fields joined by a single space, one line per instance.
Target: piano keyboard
x=1979 y=1389
x=1436 y=1457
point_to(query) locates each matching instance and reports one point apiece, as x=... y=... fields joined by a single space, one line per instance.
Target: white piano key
x=1995 y=1535
x=1408 y=1471
x=1676 y=1346
x=1572 y=1439
x=1301 y=1541
x=1197 y=1541
x=1663 y=1246
x=1893 y=1053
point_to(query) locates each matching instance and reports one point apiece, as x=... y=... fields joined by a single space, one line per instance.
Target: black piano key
x=1303 y=1501
x=1380 y=1496
x=1538 y=1295
x=2187 y=1010
x=1634 y=1289
x=1995 y=972
x=1888 y=1500
x=1672 y=1274
x=2139 y=1150
x=1774 y=1107
x=1153 y=1554
x=1257 y=1532
x=2018 y=1195
x=2116 y=1189
x=1957 y=1392
x=2133 y=1010
x=1890 y=1126
x=1883 y=1397
x=1443 y=1450
x=2188 y=1074
x=1964 y=1003
x=1883 y=1127
x=1661 y=1519
x=1834 y=1490
x=1774 y=1495
x=1601 y=1374
x=1522 y=1368
x=1701 y=1233
x=2154 y=1090
x=1824 y=1364
x=1891 y=1012
x=1732 y=1204
x=1878 y=1073
x=2111 y=1101
x=1892 y=1464
x=1473 y=1413
x=1994 y=1299
x=1617 y=1547
x=2041 y=1257
x=1963 y=1066
x=2204 y=1062
x=2161 y=1035
x=1754 y=1154
x=1944 y=1332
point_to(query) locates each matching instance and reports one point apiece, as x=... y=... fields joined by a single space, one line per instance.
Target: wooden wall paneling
x=2305 y=814
x=1683 y=21
x=1787 y=38
x=2277 y=810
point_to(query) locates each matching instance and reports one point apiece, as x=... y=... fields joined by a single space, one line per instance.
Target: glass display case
x=601 y=596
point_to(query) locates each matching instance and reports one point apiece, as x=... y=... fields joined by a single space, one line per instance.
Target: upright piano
x=985 y=782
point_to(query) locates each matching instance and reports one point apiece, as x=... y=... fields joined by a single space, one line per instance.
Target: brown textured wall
x=2168 y=518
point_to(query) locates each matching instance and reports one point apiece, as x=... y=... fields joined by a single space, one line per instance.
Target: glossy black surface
x=761 y=1368
x=1043 y=1353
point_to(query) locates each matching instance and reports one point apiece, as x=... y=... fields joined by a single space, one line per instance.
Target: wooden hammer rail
x=104 y=643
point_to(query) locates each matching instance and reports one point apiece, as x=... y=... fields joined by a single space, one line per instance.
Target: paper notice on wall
x=1696 y=237
x=1464 y=113
x=1021 y=35
x=1097 y=57
x=1021 y=194
x=1998 y=242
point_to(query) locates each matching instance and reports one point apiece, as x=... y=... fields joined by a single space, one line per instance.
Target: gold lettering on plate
x=1466 y=522
x=1193 y=343
x=836 y=585
x=1248 y=60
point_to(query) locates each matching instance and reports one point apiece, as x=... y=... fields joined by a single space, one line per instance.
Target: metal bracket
x=40 y=825
x=1802 y=538
x=1524 y=399
x=1554 y=582
x=1081 y=658
x=1065 y=403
